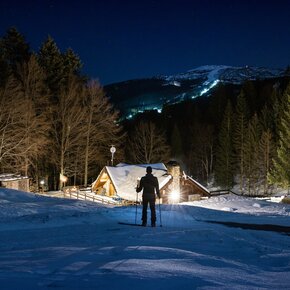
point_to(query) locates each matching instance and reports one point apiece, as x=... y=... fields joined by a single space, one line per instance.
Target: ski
x=129 y=224
x=135 y=225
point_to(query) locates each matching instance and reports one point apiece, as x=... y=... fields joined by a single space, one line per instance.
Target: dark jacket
x=150 y=186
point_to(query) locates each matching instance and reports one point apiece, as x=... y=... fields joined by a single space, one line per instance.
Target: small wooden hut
x=14 y=181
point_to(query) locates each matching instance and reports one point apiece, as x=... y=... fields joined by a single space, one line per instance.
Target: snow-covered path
x=67 y=244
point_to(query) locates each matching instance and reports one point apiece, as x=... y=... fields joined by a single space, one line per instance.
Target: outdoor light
x=112 y=150
x=62 y=178
x=174 y=195
x=41 y=185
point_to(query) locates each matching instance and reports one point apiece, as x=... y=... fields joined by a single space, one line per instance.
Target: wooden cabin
x=14 y=181
x=121 y=182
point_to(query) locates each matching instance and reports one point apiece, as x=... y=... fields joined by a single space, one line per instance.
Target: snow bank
x=240 y=204
x=68 y=244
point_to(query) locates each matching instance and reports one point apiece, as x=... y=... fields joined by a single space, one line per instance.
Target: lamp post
x=42 y=185
x=112 y=150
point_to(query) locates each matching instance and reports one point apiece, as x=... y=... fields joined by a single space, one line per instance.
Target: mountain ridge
x=138 y=95
x=228 y=73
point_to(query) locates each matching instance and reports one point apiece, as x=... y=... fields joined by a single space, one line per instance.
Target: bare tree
x=148 y=144
x=202 y=150
x=101 y=128
x=13 y=132
x=34 y=96
x=67 y=117
x=83 y=124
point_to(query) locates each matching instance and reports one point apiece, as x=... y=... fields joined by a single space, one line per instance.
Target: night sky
x=126 y=39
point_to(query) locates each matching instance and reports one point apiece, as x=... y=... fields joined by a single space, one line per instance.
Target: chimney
x=173 y=169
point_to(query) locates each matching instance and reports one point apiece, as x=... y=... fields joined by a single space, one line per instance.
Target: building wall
x=21 y=184
x=190 y=188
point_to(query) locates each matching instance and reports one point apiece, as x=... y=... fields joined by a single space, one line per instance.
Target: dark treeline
x=56 y=122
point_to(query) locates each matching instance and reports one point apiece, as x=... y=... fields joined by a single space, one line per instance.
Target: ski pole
x=138 y=184
x=160 y=213
x=136 y=208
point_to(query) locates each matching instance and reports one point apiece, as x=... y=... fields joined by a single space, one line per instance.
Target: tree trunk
x=61 y=183
x=87 y=149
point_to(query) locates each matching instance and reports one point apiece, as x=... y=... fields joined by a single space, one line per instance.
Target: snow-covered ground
x=58 y=243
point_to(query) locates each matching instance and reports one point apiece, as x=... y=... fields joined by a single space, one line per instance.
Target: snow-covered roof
x=11 y=177
x=124 y=178
x=197 y=183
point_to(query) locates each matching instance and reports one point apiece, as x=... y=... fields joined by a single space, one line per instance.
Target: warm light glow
x=62 y=178
x=113 y=149
x=174 y=195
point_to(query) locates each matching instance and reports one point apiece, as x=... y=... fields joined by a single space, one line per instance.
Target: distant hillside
x=134 y=96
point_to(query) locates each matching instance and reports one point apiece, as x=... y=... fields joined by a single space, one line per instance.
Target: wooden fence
x=90 y=196
x=72 y=193
x=222 y=192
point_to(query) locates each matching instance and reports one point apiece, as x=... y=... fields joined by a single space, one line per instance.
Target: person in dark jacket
x=150 y=186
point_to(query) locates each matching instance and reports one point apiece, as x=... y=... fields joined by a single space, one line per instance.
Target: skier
x=150 y=186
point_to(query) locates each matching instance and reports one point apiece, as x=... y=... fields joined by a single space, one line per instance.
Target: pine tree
x=264 y=158
x=224 y=156
x=51 y=60
x=176 y=143
x=14 y=47
x=281 y=164
x=273 y=112
x=251 y=96
x=4 y=68
x=239 y=136
x=14 y=50
x=252 y=155
x=72 y=63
